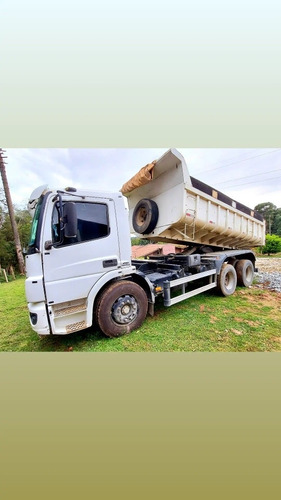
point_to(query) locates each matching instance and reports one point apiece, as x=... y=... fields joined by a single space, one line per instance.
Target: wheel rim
x=249 y=273
x=229 y=281
x=125 y=310
x=141 y=216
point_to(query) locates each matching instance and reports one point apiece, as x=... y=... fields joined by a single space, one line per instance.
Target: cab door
x=73 y=265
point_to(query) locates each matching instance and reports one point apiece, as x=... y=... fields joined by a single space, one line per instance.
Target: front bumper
x=38 y=318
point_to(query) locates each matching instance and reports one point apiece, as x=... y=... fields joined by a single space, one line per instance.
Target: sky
x=250 y=176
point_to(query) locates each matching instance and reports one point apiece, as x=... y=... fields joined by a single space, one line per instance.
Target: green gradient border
x=140 y=425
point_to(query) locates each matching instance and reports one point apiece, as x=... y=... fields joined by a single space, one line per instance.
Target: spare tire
x=145 y=216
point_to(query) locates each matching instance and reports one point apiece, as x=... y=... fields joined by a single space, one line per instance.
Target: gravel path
x=269 y=274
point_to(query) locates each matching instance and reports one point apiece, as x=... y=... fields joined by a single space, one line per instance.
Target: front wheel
x=227 y=280
x=121 y=308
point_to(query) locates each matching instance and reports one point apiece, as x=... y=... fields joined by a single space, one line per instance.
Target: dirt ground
x=268 y=264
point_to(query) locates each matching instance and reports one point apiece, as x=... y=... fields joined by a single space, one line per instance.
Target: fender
x=129 y=272
x=104 y=280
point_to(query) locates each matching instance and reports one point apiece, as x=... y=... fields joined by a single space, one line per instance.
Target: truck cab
x=80 y=241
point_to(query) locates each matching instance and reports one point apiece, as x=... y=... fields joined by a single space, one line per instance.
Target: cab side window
x=92 y=224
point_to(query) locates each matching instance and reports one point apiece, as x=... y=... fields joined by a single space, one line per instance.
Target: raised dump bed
x=167 y=204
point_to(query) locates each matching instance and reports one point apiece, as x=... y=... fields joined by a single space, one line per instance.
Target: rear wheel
x=121 y=308
x=227 y=280
x=245 y=272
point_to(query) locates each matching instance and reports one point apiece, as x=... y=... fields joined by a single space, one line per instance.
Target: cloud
x=108 y=169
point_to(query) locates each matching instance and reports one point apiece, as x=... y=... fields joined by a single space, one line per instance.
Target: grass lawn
x=247 y=321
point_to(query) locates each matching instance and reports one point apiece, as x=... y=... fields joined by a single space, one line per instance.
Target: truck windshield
x=35 y=227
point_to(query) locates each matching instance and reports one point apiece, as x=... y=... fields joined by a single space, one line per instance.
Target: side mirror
x=70 y=219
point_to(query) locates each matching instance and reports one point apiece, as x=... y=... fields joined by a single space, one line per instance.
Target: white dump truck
x=79 y=266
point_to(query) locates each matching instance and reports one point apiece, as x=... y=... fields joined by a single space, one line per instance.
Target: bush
x=139 y=241
x=272 y=244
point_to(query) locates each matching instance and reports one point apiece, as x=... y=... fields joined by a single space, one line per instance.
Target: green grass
x=247 y=321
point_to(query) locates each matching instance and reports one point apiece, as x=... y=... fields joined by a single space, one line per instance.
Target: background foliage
x=8 y=255
x=272 y=216
x=272 y=244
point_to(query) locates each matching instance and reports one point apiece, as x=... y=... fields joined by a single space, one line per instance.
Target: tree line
x=272 y=217
x=8 y=256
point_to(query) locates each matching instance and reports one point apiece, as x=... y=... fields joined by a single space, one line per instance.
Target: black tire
x=145 y=216
x=121 y=308
x=227 y=280
x=245 y=272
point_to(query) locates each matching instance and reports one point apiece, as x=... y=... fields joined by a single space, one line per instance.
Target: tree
x=268 y=211
x=3 y=206
x=8 y=255
x=11 y=213
x=276 y=227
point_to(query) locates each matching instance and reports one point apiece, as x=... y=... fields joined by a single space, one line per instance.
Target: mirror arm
x=48 y=245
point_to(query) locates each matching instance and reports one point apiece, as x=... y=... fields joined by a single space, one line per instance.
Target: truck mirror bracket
x=48 y=245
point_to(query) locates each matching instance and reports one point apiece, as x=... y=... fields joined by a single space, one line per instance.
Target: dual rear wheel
x=242 y=274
